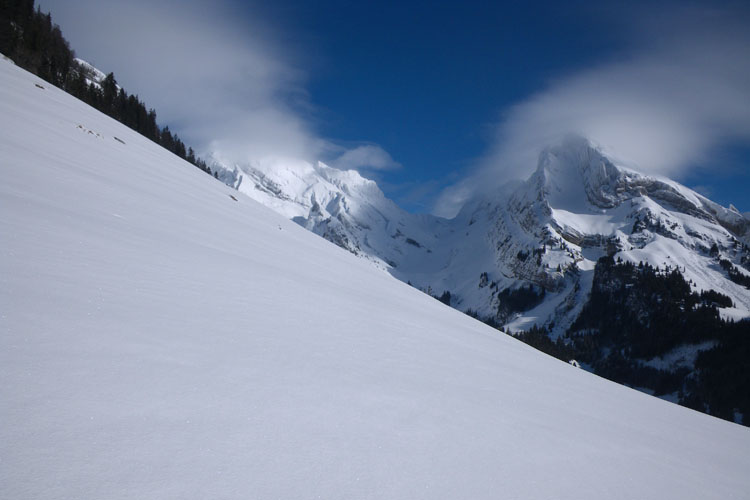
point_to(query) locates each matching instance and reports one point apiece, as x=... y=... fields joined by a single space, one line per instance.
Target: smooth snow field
x=160 y=340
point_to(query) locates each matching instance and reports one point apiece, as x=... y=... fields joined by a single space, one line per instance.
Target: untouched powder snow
x=161 y=340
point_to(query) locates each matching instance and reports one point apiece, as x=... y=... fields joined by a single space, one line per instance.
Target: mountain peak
x=348 y=180
x=577 y=175
x=548 y=231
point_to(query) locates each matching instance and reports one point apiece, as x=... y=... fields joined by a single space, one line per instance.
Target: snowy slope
x=161 y=340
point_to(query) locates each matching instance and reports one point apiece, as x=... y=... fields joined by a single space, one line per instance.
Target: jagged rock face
x=548 y=231
x=575 y=172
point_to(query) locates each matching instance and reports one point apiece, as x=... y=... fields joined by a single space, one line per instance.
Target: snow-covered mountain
x=579 y=206
x=161 y=339
x=526 y=255
x=548 y=231
x=341 y=206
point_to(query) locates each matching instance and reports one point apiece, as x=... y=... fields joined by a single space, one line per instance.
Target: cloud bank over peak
x=221 y=77
x=368 y=156
x=682 y=91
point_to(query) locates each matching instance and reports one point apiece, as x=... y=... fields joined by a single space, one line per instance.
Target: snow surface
x=732 y=314
x=681 y=356
x=159 y=339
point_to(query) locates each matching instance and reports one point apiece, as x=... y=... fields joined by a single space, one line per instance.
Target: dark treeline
x=639 y=312
x=735 y=274
x=519 y=299
x=33 y=42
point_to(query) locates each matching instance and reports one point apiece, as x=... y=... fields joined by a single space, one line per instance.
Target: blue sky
x=428 y=82
x=436 y=100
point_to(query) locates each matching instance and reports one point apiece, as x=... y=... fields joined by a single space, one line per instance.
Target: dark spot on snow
x=119 y=140
x=232 y=196
x=39 y=86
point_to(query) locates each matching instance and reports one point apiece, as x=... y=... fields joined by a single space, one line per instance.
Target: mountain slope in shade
x=161 y=340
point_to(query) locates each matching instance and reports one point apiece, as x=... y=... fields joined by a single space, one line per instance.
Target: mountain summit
x=547 y=231
x=537 y=255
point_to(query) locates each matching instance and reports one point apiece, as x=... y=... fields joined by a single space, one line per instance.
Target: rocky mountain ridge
x=546 y=232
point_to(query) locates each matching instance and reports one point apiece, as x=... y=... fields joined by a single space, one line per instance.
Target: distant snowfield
x=159 y=339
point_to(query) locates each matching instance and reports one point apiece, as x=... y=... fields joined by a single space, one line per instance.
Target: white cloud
x=683 y=92
x=215 y=71
x=370 y=156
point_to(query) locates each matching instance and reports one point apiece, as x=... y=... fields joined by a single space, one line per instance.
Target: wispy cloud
x=216 y=70
x=681 y=92
x=368 y=156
